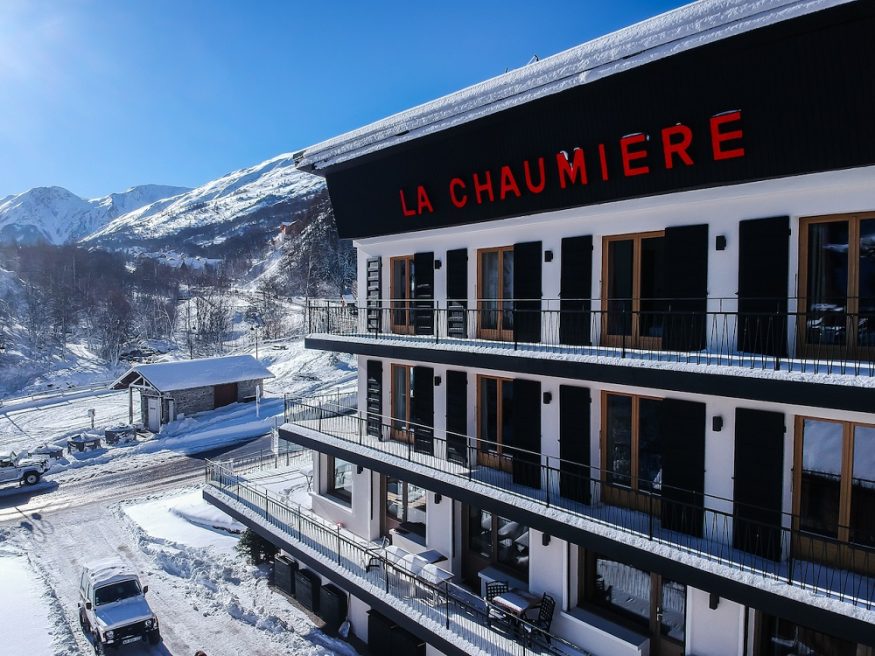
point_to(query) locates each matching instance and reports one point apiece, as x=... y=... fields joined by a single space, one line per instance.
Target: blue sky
x=99 y=96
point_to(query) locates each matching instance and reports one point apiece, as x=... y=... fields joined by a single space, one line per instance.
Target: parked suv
x=113 y=606
x=21 y=468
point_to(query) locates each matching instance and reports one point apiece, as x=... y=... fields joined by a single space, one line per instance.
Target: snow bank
x=186 y=519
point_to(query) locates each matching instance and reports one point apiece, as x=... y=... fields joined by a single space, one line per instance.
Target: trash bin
x=284 y=569
x=332 y=605
x=307 y=589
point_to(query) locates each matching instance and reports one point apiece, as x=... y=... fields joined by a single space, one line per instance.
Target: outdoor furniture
x=83 y=441
x=375 y=553
x=540 y=625
x=493 y=590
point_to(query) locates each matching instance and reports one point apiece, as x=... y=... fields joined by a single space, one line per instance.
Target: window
x=494 y=421
x=402 y=402
x=401 y=290
x=495 y=293
x=836 y=481
x=780 y=637
x=633 y=290
x=339 y=484
x=631 y=448
x=494 y=540
x=405 y=506
x=837 y=285
x=634 y=597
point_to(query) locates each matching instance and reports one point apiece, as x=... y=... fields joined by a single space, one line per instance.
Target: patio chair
x=540 y=625
x=493 y=589
x=375 y=554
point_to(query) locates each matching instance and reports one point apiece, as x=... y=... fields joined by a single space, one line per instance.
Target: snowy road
x=204 y=601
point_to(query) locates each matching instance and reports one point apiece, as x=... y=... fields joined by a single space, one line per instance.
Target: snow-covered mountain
x=257 y=197
x=57 y=216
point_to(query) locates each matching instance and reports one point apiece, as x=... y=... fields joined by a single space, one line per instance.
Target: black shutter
x=423 y=293
x=457 y=293
x=763 y=270
x=527 y=285
x=526 y=432
x=375 y=397
x=759 y=474
x=422 y=410
x=685 y=326
x=373 y=294
x=575 y=291
x=682 y=433
x=574 y=473
x=457 y=416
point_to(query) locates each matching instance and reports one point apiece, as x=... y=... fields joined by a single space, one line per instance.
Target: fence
x=745 y=537
x=437 y=606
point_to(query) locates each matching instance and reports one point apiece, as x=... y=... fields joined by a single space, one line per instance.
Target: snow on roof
x=108 y=570
x=186 y=374
x=670 y=33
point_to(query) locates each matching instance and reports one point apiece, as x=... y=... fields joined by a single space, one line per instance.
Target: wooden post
x=130 y=405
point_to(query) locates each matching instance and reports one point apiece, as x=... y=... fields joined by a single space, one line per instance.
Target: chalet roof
x=187 y=374
x=670 y=33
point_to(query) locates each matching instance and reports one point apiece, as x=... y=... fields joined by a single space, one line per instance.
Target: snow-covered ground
x=30 y=610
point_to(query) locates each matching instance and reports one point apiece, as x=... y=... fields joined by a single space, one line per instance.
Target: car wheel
x=31 y=478
x=154 y=637
x=83 y=621
x=99 y=647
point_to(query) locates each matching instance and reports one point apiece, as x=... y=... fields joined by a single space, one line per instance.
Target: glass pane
x=674 y=609
x=826 y=322
x=620 y=266
x=649 y=446
x=863 y=486
x=488 y=414
x=513 y=545
x=783 y=638
x=342 y=480
x=400 y=285
x=653 y=303
x=489 y=292
x=619 y=439
x=623 y=588
x=480 y=532
x=417 y=503
x=866 y=320
x=821 y=476
x=394 y=499
x=507 y=290
x=400 y=397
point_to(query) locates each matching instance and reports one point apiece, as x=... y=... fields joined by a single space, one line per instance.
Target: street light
x=254 y=330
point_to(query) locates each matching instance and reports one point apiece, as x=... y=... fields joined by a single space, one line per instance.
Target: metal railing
x=435 y=606
x=760 y=541
x=766 y=334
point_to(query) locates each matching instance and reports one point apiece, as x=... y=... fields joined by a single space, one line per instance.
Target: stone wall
x=190 y=401
x=246 y=389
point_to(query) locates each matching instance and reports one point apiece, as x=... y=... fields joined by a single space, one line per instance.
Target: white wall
x=718 y=632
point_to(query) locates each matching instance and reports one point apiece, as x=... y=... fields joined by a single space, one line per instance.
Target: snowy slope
x=56 y=215
x=221 y=205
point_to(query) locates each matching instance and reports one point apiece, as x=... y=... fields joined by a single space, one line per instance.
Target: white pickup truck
x=20 y=468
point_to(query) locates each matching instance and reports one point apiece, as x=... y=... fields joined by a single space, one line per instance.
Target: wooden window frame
x=851 y=347
x=499 y=333
x=337 y=494
x=497 y=459
x=634 y=340
x=630 y=496
x=838 y=551
x=401 y=301
x=404 y=434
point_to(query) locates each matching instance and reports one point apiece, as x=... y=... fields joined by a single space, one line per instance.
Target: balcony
x=733 y=542
x=445 y=610
x=756 y=338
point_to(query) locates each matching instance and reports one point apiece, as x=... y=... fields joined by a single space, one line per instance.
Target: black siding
x=575 y=291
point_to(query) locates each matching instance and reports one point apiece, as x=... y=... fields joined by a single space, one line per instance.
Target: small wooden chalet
x=171 y=390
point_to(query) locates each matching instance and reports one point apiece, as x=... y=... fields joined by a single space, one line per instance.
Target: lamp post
x=254 y=330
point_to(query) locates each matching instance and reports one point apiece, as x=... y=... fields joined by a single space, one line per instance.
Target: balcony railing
x=765 y=334
x=762 y=543
x=445 y=609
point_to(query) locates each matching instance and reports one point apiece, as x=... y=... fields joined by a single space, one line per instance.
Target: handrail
x=703 y=524
x=357 y=558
